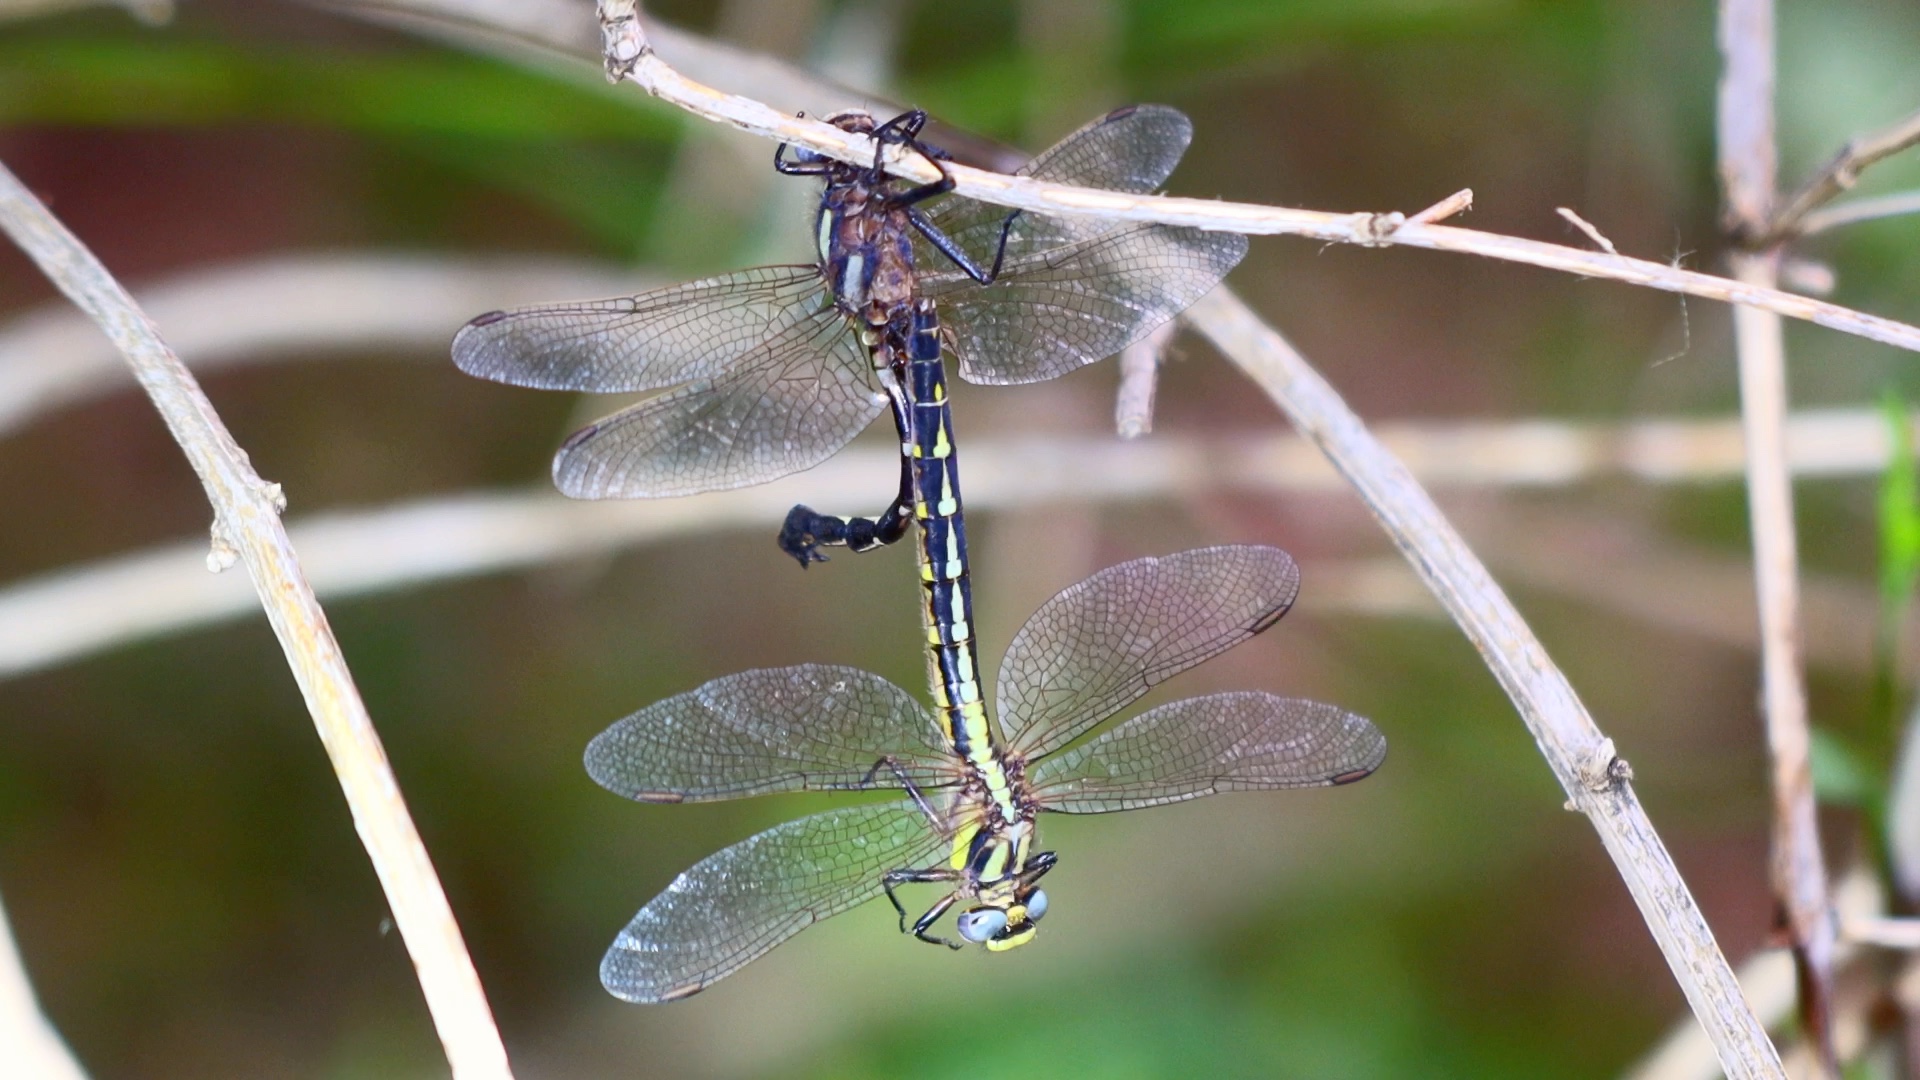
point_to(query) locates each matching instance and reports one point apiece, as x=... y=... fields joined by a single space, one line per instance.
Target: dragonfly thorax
x=866 y=252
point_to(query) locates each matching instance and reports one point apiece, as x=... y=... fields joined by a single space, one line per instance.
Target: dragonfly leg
x=925 y=922
x=803 y=167
x=912 y=789
x=957 y=255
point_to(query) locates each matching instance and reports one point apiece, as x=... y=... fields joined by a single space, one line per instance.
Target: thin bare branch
x=286 y=307
x=1797 y=870
x=1882 y=932
x=1838 y=176
x=1859 y=210
x=1767 y=978
x=247 y=527
x=1599 y=239
x=66 y=615
x=28 y=1042
x=1367 y=229
x=151 y=12
x=1577 y=752
x=1139 y=379
x=1458 y=202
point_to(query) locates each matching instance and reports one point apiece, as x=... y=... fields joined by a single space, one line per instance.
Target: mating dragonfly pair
x=769 y=371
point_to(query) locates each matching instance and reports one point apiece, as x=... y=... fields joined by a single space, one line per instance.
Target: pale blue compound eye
x=980 y=924
x=1036 y=905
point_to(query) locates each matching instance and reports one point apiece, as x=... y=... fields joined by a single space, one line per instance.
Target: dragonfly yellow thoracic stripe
x=1086 y=654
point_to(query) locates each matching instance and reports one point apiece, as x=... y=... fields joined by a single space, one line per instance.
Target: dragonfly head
x=1000 y=928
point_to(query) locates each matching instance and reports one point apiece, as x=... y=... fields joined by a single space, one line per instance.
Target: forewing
x=1208 y=745
x=785 y=405
x=1063 y=301
x=812 y=727
x=1133 y=149
x=733 y=906
x=1104 y=642
x=646 y=342
x=1075 y=290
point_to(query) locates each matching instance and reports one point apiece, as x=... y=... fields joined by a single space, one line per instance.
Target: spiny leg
x=894 y=878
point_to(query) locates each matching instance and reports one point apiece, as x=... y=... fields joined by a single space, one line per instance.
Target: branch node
x=221 y=554
x=623 y=42
x=1604 y=769
x=1376 y=230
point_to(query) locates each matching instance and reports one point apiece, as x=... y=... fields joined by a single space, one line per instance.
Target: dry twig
x=1797 y=871
x=28 y=1043
x=1367 y=229
x=62 y=616
x=1836 y=177
x=247 y=527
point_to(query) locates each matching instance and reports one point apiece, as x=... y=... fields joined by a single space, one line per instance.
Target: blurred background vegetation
x=174 y=852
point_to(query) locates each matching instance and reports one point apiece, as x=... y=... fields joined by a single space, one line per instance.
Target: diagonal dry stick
x=247 y=528
x=1835 y=178
x=1797 y=871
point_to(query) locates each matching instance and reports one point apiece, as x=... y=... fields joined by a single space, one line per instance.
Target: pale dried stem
x=1577 y=752
x=1838 y=176
x=1768 y=980
x=1797 y=870
x=1139 y=379
x=1366 y=228
x=247 y=525
x=1599 y=239
x=151 y=12
x=29 y=1045
x=1455 y=203
x=1859 y=210
x=68 y=614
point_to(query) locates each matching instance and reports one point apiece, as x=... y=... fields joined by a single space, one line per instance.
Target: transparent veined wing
x=733 y=906
x=1133 y=149
x=787 y=404
x=1102 y=643
x=813 y=727
x=1208 y=745
x=650 y=341
x=1057 y=308
x=1074 y=290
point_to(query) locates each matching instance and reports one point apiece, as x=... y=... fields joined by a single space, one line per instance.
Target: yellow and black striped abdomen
x=948 y=590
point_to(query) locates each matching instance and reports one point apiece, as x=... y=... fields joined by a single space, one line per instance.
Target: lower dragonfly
x=968 y=823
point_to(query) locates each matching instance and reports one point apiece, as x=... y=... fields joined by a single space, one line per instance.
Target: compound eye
x=981 y=924
x=1036 y=905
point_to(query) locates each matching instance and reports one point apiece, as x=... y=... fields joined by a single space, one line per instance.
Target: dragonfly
x=973 y=786
x=768 y=371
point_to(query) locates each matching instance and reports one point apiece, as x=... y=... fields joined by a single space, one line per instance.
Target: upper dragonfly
x=771 y=370
x=975 y=784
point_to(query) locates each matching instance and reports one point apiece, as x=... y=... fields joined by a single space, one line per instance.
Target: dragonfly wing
x=647 y=342
x=786 y=404
x=1057 y=307
x=1104 y=642
x=733 y=906
x=811 y=727
x=1133 y=149
x=1208 y=745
